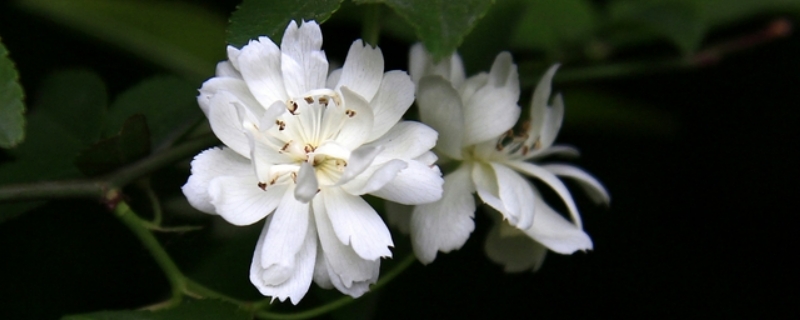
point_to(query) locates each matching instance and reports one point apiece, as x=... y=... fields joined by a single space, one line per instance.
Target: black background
x=701 y=222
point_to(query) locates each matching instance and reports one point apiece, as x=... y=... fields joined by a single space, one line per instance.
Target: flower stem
x=162 y=258
x=371 y=27
x=343 y=301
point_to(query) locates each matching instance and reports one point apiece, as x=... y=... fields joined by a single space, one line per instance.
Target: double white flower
x=301 y=147
x=474 y=117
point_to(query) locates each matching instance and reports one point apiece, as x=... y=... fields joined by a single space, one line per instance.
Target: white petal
x=240 y=201
x=552 y=124
x=307 y=185
x=226 y=70
x=363 y=70
x=418 y=61
x=493 y=109
x=303 y=64
x=360 y=159
x=355 y=129
x=593 y=187
x=560 y=150
x=516 y=253
x=488 y=189
x=298 y=281
x=287 y=231
x=516 y=194
x=236 y=87
x=556 y=233
x=374 y=177
x=345 y=266
x=206 y=166
x=321 y=277
x=394 y=96
x=233 y=56
x=357 y=224
x=260 y=65
x=421 y=65
x=405 y=140
x=398 y=215
x=440 y=108
x=416 y=184
x=446 y=224
x=333 y=78
x=551 y=180
x=226 y=124
x=428 y=158
x=538 y=111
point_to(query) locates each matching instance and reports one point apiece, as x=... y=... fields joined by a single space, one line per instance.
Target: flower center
x=307 y=133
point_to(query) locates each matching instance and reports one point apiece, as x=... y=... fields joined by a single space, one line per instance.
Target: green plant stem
x=147 y=188
x=162 y=258
x=371 y=27
x=97 y=188
x=341 y=302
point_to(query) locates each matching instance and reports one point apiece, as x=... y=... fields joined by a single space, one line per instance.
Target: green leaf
x=593 y=111
x=65 y=118
x=680 y=21
x=491 y=36
x=130 y=144
x=719 y=12
x=255 y=18
x=12 y=120
x=441 y=24
x=549 y=25
x=188 y=310
x=168 y=103
x=182 y=37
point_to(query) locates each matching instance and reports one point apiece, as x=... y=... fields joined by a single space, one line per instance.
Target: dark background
x=701 y=221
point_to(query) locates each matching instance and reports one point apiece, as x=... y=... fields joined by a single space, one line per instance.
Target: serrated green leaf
x=255 y=18
x=188 y=310
x=441 y=25
x=182 y=37
x=130 y=144
x=12 y=119
x=168 y=103
x=680 y=21
x=548 y=25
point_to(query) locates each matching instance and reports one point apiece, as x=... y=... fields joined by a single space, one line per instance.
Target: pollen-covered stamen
x=323 y=100
x=309 y=148
x=350 y=113
x=309 y=99
x=281 y=125
x=263 y=186
x=292 y=106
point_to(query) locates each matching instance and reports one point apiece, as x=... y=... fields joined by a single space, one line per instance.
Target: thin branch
x=97 y=188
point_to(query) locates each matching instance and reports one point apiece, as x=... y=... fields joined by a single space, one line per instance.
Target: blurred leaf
x=548 y=25
x=168 y=103
x=440 y=24
x=12 y=119
x=491 y=36
x=719 y=12
x=188 y=310
x=65 y=118
x=680 y=21
x=254 y=18
x=130 y=144
x=593 y=111
x=178 y=36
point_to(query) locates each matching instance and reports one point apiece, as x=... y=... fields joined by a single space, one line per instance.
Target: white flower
x=300 y=150
x=474 y=118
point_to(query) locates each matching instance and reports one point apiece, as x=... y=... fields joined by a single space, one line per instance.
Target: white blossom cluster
x=303 y=144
